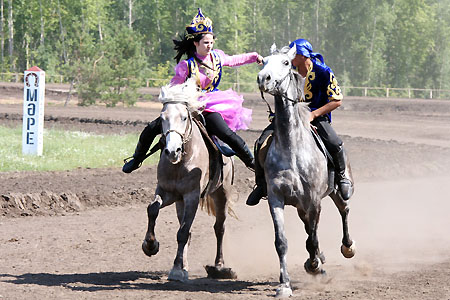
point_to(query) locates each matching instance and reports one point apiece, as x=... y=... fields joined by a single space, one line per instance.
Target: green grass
x=67 y=150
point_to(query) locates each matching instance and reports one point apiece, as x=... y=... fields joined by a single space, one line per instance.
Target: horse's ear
x=162 y=93
x=273 y=49
x=292 y=52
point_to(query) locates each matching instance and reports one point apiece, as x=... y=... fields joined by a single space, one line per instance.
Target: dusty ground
x=77 y=234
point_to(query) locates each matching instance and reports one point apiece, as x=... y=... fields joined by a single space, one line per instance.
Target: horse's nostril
x=268 y=78
x=166 y=151
x=178 y=150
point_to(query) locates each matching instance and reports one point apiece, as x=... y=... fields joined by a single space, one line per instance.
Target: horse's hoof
x=283 y=291
x=150 y=248
x=349 y=252
x=315 y=267
x=178 y=275
x=322 y=257
x=220 y=272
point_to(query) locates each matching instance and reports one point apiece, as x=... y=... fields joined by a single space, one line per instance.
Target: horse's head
x=277 y=67
x=179 y=102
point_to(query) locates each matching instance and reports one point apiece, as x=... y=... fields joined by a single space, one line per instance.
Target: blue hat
x=305 y=48
x=200 y=24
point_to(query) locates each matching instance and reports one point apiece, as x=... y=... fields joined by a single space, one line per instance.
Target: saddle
x=216 y=163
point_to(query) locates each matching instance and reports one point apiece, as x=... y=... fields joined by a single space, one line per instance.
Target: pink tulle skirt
x=229 y=104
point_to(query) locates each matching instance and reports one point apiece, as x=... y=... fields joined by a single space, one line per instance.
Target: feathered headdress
x=200 y=24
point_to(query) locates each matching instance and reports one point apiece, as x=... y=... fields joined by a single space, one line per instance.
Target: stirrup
x=129 y=160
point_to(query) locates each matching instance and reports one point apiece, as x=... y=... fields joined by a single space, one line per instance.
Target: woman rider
x=324 y=95
x=223 y=111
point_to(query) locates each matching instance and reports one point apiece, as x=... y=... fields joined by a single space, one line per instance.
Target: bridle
x=283 y=95
x=278 y=84
x=187 y=135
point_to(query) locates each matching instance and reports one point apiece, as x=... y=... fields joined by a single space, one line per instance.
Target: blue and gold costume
x=321 y=86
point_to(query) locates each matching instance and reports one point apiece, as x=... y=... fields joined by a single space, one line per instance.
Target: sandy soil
x=77 y=234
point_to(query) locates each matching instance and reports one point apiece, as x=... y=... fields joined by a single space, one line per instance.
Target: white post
x=33 y=111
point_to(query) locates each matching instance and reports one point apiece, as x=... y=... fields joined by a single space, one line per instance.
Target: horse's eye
x=183 y=118
x=286 y=63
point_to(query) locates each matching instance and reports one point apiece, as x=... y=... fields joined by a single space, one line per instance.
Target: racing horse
x=296 y=170
x=183 y=175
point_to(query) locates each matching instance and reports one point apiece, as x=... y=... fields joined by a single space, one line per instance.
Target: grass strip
x=67 y=150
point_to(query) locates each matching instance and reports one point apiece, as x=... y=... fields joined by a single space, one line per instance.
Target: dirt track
x=77 y=234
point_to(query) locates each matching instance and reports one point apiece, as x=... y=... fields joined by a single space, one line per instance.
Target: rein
x=284 y=95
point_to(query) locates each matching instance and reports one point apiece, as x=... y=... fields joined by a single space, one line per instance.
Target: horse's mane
x=187 y=92
x=303 y=108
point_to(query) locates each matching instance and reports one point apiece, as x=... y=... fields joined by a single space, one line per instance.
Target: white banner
x=33 y=111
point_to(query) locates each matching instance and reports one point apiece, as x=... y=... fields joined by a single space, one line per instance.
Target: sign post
x=33 y=111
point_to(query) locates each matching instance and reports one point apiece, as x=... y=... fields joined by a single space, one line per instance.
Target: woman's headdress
x=305 y=48
x=200 y=24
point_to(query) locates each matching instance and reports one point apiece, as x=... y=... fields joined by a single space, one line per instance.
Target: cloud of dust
x=397 y=226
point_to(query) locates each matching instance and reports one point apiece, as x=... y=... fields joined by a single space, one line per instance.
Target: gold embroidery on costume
x=334 y=90
x=213 y=75
x=310 y=76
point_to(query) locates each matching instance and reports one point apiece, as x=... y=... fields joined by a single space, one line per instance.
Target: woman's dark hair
x=186 y=46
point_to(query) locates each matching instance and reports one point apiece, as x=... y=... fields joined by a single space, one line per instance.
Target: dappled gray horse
x=183 y=174
x=295 y=169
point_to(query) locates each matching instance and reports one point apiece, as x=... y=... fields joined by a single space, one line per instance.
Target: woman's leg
x=145 y=141
x=215 y=125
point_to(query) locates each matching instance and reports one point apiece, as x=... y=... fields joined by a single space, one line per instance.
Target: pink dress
x=228 y=103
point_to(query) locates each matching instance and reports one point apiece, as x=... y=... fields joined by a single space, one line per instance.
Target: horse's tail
x=207 y=204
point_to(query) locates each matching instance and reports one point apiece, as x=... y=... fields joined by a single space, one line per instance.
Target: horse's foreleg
x=281 y=245
x=150 y=246
x=191 y=201
x=348 y=248
x=313 y=264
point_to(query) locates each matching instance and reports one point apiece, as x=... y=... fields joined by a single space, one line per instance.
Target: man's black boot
x=344 y=181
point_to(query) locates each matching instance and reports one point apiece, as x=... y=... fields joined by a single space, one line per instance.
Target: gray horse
x=183 y=174
x=295 y=169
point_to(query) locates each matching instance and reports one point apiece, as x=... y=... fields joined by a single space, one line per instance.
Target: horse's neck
x=196 y=145
x=290 y=124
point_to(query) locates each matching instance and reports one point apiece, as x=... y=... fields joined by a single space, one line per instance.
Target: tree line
x=108 y=48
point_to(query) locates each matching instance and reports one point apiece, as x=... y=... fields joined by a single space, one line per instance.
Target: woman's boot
x=246 y=156
x=145 y=141
x=260 y=189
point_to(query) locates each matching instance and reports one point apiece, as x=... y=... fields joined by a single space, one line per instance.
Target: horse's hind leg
x=218 y=271
x=348 y=247
x=277 y=212
x=313 y=264
x=180 y=214
x=303 y=217
x=178 y=271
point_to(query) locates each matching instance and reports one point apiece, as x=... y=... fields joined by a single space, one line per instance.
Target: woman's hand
x=259 y=60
